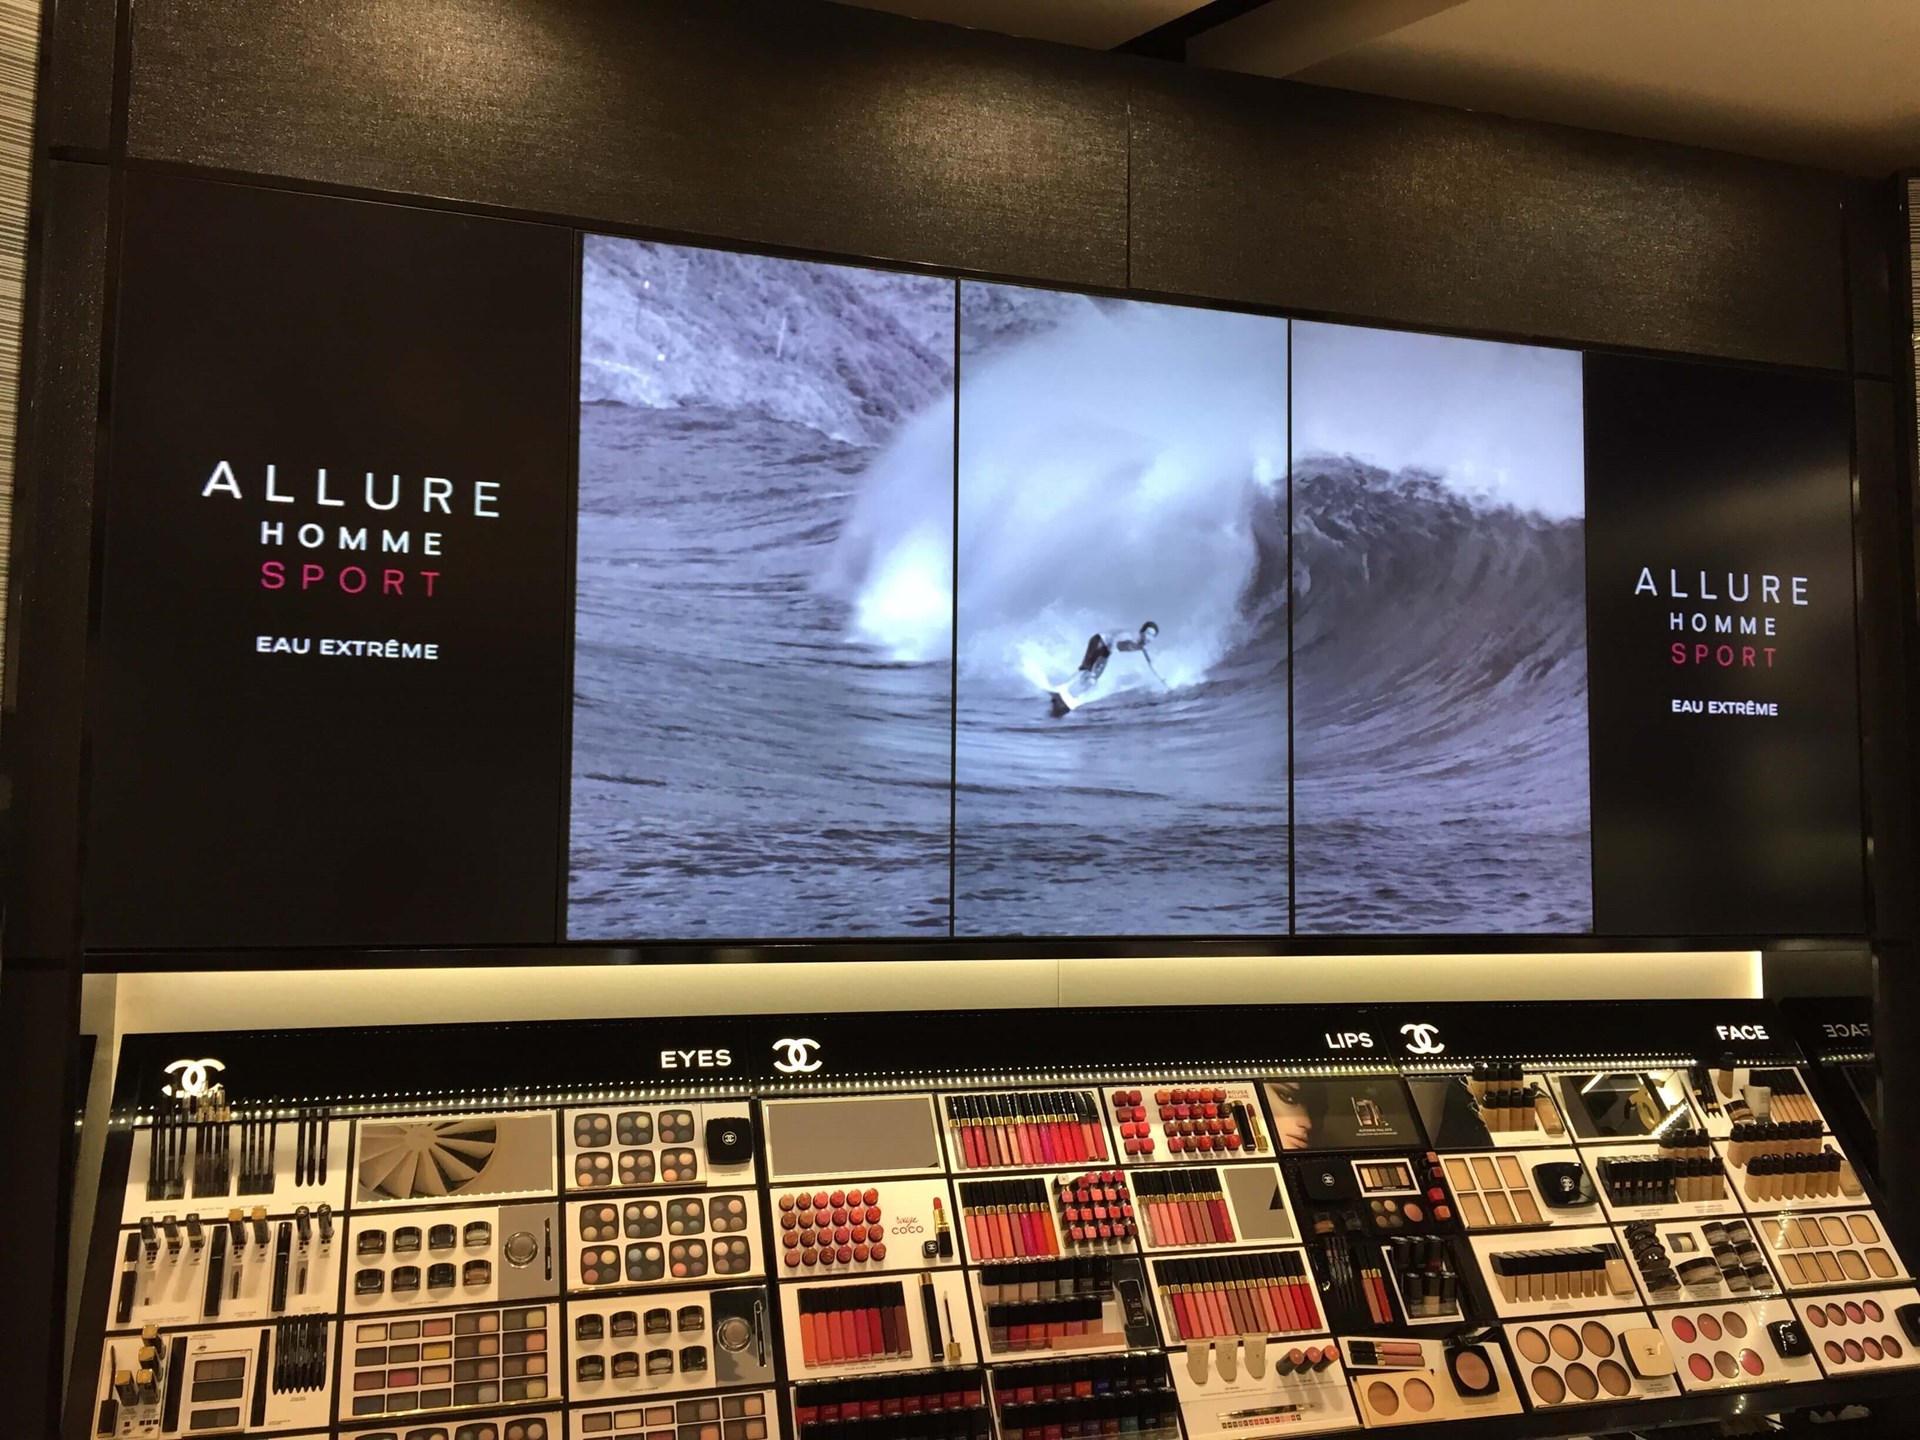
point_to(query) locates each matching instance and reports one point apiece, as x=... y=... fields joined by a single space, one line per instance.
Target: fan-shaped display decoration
x=419 y=1159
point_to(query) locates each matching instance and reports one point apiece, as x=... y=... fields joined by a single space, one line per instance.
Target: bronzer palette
x=1829 y=1249
x=1413 y=1382
x=500 y=1356
x=667 y=1341
x=1598 y=1359
x=662 y=1239
x=1176 y=1124
x=746 y=1415
x=403 y=1259
x=657 y=1145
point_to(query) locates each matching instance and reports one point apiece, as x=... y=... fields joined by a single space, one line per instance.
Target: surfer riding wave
x=1100 y=649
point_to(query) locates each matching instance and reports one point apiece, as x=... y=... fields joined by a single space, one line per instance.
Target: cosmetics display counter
x=1036 y=1225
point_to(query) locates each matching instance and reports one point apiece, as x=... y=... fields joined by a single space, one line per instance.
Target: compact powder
x=1598 y=1338
x=1548 y=1385
x=1614 y=1378
x=1532 y=1346
x=1419 y=1395
x=1581 y=1382
x=1566 y=1344
x=1471 y=1371
x=1383 y=1398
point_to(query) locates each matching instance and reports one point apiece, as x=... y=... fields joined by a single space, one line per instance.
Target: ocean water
x=1440 y=709
x=747 y=762
x=790 y=678
x=740 y=769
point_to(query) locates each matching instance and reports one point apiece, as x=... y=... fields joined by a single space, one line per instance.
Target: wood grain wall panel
x=788 y=123
x=1345 y=204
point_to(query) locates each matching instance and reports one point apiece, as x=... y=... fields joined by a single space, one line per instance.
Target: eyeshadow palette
x=178 y=1165
x=1095 y=1302
x=1249 y=1292
x=1597 y=1360
x=1580 y=1270
x=1024 y=1130
x=449 y=1361
x=232 y=1267
x=861 y=1325
x=1829 y=1250
x=1251 y=1388
x=203 y=1382
x=865 y=1226
x=1211 y=1206
x=678 y=1144
x=1733 y=1346
x=669 y=1341
x=662 y=1239
x=483 y=1254
x=1700 y=1260
x=743 y=1415
x=1874 y=1330
x=541 y=1426
x=1413 y=1382
x=1176 y=1124
x=837 y=1136
x=437 y=1158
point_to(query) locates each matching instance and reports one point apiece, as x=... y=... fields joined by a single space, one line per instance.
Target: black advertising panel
x=330 y=680
x=902 y=607
x=1726 y=760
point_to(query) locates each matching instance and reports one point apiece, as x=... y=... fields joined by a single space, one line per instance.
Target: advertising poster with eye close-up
x=906 y=608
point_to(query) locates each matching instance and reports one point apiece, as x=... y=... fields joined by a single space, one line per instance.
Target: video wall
x=900 y=607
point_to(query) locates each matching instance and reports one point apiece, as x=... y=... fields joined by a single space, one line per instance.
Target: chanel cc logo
x=193 y=1077
x=1420 y=1039
x=799 y=1054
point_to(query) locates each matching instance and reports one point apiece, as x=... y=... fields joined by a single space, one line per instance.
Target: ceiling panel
x=1830 y=83
x=1100 y=24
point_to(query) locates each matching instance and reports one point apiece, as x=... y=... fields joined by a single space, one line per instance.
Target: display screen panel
x=1121 y=734
x=1440 y=635
x=899 y=607
x=763 y=615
